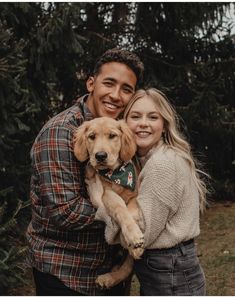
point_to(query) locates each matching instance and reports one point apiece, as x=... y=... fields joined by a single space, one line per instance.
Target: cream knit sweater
x=168 y=200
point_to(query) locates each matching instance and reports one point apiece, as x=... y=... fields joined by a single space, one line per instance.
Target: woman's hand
x=95 y=190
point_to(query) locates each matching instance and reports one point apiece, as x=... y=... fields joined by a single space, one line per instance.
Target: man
x=67 y=246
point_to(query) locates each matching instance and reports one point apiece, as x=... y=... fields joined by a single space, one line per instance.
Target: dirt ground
x=216 y=251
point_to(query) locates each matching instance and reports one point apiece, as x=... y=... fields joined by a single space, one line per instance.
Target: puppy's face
x=105 y=141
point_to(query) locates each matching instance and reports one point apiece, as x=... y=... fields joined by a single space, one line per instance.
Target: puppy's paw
x=105 y=281
x=136 y=253
x=133 y=236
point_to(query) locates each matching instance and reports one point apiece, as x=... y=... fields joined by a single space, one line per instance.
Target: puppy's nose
x=101 y=156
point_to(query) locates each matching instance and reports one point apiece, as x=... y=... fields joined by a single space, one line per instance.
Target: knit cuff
x=112 y=229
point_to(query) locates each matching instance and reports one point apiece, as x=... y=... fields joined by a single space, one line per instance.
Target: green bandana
x=124 y=175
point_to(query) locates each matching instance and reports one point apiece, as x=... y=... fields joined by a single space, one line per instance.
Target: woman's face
x=146 y=123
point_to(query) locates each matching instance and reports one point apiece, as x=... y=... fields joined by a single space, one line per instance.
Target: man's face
x=110 y=90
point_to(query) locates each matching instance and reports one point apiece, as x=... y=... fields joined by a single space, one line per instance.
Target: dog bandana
x=124 y=175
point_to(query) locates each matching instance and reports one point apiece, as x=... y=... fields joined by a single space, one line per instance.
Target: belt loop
x=182 y=249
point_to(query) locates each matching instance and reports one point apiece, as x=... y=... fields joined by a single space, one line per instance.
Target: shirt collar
x=85 y=110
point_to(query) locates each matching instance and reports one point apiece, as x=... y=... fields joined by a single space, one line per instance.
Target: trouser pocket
x=170 y=274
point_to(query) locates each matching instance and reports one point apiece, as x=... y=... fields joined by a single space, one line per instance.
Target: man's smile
x=112 y=106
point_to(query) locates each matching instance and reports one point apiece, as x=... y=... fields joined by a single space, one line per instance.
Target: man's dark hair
x=121 y=56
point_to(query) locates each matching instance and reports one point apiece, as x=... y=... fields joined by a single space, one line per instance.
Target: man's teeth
x=111 y=106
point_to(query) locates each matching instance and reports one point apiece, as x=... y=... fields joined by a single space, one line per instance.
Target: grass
x=216 y=250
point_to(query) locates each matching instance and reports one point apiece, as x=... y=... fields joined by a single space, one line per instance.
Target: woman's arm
x=157 y=197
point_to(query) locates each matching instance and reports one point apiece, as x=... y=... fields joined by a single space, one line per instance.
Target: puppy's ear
x=128 y=145
x=80 y=149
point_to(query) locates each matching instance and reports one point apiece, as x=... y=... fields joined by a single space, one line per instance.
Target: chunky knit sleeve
x=112 y=229
x=158 y=196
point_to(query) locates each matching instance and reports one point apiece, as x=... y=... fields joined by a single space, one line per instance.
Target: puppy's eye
x=112 y=135
x=91 y=136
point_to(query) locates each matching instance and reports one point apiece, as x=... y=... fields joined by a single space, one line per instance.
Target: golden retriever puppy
x=109 y=146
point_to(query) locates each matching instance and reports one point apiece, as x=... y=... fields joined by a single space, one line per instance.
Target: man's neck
x=90 y=105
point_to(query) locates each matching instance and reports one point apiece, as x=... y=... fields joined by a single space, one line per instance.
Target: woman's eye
x=134 y=117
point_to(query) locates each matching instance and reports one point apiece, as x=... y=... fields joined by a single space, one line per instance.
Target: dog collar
x=125 y=175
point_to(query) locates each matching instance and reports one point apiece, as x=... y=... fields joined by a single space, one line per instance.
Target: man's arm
x=61 y=180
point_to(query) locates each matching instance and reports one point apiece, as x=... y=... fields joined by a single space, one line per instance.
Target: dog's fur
x=114 y=140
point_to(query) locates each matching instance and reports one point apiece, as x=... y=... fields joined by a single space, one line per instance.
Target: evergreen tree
x=38 y=50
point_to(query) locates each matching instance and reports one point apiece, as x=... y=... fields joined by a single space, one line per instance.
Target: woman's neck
x=144 y=155
x=142 y=152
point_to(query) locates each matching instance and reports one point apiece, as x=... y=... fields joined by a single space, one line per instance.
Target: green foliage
x=12 y=251
x=47 y=51
x=189 y=54
x=35 y=47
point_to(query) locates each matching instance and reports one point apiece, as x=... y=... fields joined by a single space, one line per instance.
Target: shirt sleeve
x=59 y=180
x=156 y=197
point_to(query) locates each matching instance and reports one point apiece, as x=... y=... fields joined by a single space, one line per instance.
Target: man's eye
x=108 y=84
x=91 y=136
x=112 y=135
x=127 y=91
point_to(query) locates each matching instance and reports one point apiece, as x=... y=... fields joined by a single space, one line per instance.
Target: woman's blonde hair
x=172 y=135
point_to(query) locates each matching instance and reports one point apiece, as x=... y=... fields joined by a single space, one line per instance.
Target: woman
x=170 y=197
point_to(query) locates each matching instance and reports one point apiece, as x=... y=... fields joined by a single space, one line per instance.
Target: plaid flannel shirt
x=64 y=239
